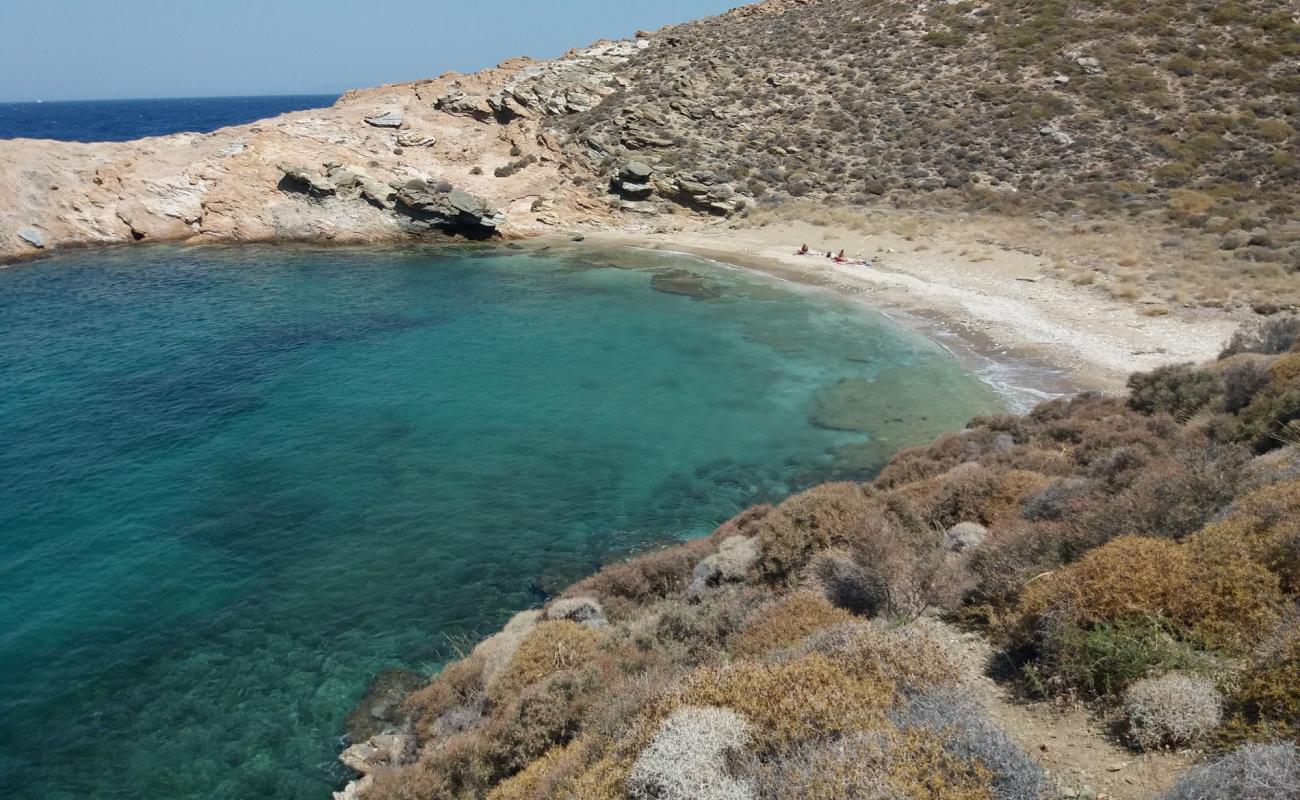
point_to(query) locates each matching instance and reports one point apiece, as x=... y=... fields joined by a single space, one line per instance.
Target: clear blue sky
x=93 y=49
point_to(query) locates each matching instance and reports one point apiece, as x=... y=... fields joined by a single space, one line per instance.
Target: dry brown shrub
x=1265 y=523
x=927 y=771
x=785 y=622
x=879 y=765
x=694 y=633
x=908 y=657
x=792 y=702
x=551 y=647
x=823 y=516
x=1235 y=601
x=463 y=766
x=549 y=776
x=974 y=493
x=1014 y=554
x=1266 y=703
x=1211 y=594
x=459 y=684
x=746 y=523
x=622 y=587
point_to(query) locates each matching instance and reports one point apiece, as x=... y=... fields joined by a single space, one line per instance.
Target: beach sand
x=998 y=308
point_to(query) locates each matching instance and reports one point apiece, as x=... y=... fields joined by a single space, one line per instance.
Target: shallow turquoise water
x=234 y=483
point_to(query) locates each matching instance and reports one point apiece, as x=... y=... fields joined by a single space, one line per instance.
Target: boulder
x=735 y=557
x=584 y=610
x=635 y=172
x=300 y=178
x=412 y=139
x=1089 y=65
x=388 y=119
x=636 y=191
x=1057 y=135
x=383 y=750
x=460 y=103
x=355 y=790
x=428 y=202
x=32 y=236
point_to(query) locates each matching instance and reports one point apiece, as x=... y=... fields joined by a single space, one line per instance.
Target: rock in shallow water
x=680 y=281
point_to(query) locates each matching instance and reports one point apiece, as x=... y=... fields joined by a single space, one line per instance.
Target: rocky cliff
x=1173 y=114
x=457 y=155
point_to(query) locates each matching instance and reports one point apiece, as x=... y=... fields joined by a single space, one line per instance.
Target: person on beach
x=803 y=251
x=840 y=257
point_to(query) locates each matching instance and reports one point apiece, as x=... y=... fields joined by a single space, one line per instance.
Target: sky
x=101 y=49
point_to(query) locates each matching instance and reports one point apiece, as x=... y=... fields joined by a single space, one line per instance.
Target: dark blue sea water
x=120 y=120
x=236 y=483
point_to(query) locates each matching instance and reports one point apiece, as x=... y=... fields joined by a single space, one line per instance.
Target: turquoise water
x=235 y=483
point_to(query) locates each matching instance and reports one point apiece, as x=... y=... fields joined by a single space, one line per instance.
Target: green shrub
x=1104 y=660
x=1177 y=389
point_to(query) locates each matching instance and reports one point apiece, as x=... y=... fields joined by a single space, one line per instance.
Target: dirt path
x=1083 y=760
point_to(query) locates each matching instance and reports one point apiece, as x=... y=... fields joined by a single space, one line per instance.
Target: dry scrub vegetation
x=1139 y=555
x=1169 y=126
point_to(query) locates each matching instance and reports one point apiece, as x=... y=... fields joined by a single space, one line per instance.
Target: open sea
x=120 y=120
x=235 y=483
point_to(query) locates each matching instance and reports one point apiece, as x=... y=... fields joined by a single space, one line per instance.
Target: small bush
x=786 y=622
x=688 y=758
x=1265 y=525
x=1174 y=709
x=968 y=735
x=847 y=584
x=1203 y=591
x=1177 y=389
x=908 y=657
x=551 y=647
x=625 y=586
x=1104 y=660
x=1273 y=417
x=511 y=168
x=1128 y=577
x=1273 y=336
x=876 y=765
x=793 y=702
x=824 y=516
x=1242 y=381
x=1266 y=702
x=1251 y=772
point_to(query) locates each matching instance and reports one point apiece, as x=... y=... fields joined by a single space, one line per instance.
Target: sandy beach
x=982 y=301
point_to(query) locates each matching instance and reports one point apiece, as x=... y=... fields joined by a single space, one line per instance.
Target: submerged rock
x=680 y=281
x=379 y=709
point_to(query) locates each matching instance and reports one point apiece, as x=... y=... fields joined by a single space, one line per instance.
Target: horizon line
x=35 y=101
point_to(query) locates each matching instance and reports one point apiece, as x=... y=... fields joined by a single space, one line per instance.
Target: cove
x=235 y=483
